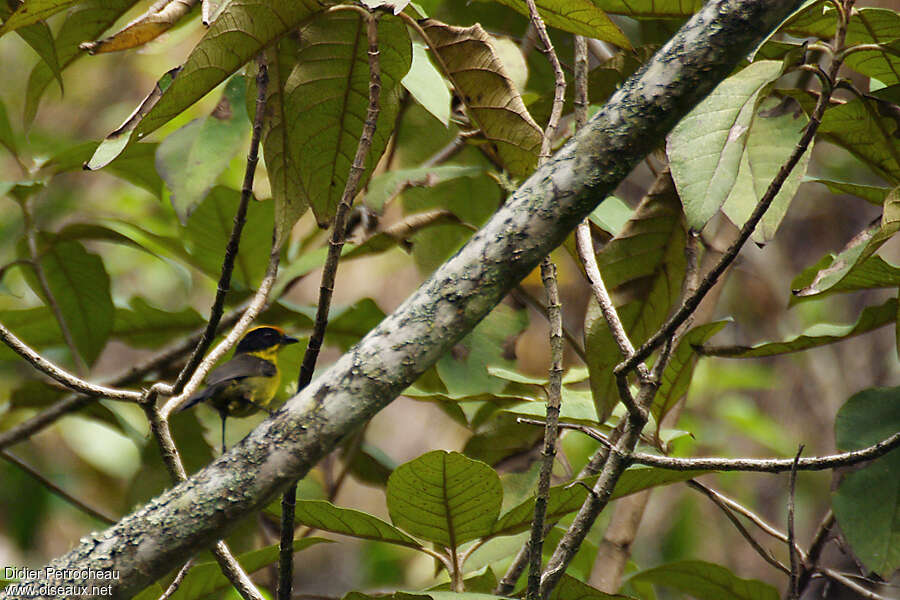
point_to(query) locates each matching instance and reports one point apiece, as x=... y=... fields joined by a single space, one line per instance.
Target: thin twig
x=551 y=431
x=234 y=240
x=747 y=513
x=765 y=554
x=235 y=573
x=580 y=97
x=793 y=590
x=810 y=564
x=523 y=295
x=768 y=465
x=173 y=587
x=554 y=314
x=44 y=283
x=585 y=247
x=690 y=304
x=55 y=489
x=69 y=380
x=326 y=289
x=847 y=582
x=559 y=89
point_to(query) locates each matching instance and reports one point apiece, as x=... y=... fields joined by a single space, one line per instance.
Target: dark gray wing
x=239 y=367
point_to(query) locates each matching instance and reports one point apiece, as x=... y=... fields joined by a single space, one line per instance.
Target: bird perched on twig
x=249 y=381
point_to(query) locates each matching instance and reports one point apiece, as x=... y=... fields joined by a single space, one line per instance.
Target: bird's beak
x=285 y=340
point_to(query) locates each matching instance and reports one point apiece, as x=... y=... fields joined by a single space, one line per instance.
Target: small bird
x=248 y=382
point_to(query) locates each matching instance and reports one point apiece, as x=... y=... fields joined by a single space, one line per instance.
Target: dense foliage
x=113 y=247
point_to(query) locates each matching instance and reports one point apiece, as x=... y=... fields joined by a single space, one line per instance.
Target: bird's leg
x=224 y=416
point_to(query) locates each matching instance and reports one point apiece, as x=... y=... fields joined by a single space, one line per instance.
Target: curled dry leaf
x=161 y=17
x=490 y=96
x=114 y=144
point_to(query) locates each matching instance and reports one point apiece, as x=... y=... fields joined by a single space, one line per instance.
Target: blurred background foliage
x=135 y=273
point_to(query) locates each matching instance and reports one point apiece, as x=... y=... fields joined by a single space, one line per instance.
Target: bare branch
x=176 y=583
x=847 y=582
x=726 y=509
x=810 y=563
x=770 y=465
x=793 y=590
x=551 y=431
x=69 y=380
x=523 y=295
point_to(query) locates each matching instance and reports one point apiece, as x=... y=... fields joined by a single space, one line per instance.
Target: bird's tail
x=197 y=398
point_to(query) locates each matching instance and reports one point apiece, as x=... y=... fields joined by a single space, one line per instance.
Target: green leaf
x=85 y=21
x=191 y=159
x=114 y=144
x=866 y=505
x=611 y=215
x=577 y=407
x=772 y=138
x=464 y=369
x=35 y=326
x=706 y=581
x=872 y=317
x=284 y=172
x=882 y=64
x=568 y=498
x=444 y=497
x=676 y=377
x=866 y=127
x=873 y=194
x=867 y=418
x=369 y=465
x=493 y=102
x=323 y=515
x=209 y=228
x=643 y=268
x=206 y=578
x=427 y=86
x=80 y=285
x=144 y=326
x=39 y=37
x=7 y=137
x=705 y=149
x=856 y=267
x=651 y=9
x=349 y=324
x=135 y=164
x=432 y=247
x=581 y=17
x=868 y=500
x=326 y=97
x=243 y=29
x=570 y=588
x=502 y=437
x=32 y=11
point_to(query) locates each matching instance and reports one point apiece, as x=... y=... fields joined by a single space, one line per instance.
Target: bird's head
x=265 y=339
